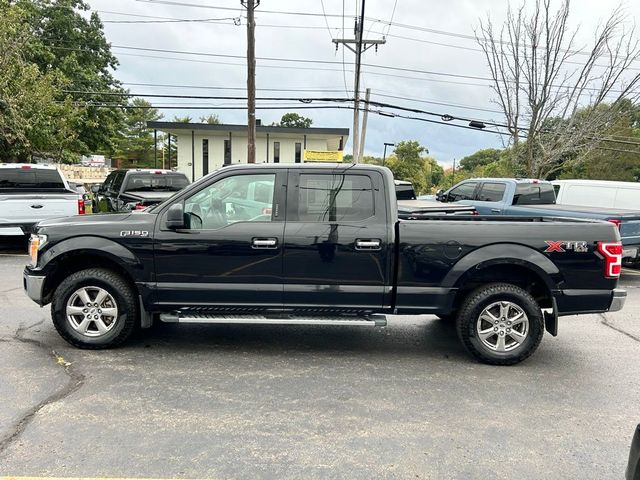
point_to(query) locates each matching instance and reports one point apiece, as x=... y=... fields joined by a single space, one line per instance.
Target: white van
x=598 y=193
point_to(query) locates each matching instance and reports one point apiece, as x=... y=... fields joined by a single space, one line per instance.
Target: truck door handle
x=36 y=206
x=265 y=243
x=495 y=210
x=368 y=244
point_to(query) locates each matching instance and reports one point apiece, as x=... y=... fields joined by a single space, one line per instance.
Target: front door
x=336 y=241
x=229 y=255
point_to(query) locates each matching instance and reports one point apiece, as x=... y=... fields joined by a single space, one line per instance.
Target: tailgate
x=30 y=208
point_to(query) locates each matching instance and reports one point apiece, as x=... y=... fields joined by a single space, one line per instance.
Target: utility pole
x=453 y=173
x=365 y=116
x=384 y=155
x=251 y=5
x=360 y=46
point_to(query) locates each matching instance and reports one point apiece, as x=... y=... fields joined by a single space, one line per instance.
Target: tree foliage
x=292 y=119
x=135 y=146
x=480 y=158
x=408 y=163
x=212 y=119
x=32 y=121
x=541 y=83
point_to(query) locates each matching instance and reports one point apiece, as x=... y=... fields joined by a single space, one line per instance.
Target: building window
x=227 y=152
x=205 y=156
x=298 y=152
x=276 y=152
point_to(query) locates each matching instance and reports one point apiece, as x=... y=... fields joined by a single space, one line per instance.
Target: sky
x=428 y=35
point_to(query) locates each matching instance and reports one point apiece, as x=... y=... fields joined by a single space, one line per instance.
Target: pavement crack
x=75 y=381
x=617 y=329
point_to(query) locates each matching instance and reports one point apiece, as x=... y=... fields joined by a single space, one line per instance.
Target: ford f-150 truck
x=526 y=197
x=319 y=244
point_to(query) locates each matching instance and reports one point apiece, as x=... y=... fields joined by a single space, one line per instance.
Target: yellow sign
x=322 y=156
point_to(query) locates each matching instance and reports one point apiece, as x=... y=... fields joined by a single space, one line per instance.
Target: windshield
x=149 y=182
x=18 y=179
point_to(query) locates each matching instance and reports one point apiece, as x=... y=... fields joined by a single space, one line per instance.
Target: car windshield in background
x=20 y=179
x=534 y=194
x=148 y=182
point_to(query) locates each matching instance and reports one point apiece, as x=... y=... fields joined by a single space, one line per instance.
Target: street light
x=384 y=155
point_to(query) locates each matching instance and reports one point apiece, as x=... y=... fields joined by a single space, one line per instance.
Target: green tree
x=135 y=146
x=32 y=121
x=407 y=163
x=212 y=119
x=292 y=119
x=480 y=158
x=185 y=119
x=63 y=40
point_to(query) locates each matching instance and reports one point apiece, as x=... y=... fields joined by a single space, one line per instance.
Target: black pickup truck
x=319 y=244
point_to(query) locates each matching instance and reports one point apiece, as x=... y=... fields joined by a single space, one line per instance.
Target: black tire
x=124 y=323
x=483 y=297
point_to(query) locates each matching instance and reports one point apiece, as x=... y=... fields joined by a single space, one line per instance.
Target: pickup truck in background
x=30 y=193
x=321 y=245
x=536 y=198
x=137 y=189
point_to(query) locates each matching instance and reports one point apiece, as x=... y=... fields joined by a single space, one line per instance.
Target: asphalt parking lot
x=314 y=402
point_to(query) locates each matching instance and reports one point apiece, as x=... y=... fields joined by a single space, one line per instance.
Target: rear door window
x=462 y=192
x=491 y=192
x=328 y=197
x=534 y=194
x=30 y=179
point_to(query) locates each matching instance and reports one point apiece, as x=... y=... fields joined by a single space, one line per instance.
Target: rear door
x=490 y=198
x=336 y=240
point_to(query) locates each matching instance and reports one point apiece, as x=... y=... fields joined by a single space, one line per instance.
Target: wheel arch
x=88 y=252
x=505 y=263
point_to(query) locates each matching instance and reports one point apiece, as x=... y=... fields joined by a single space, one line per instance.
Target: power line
x=393 y=12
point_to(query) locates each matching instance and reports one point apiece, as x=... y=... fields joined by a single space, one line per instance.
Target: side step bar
x=375 y=320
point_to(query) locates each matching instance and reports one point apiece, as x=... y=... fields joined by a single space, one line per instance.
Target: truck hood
x=85 y=221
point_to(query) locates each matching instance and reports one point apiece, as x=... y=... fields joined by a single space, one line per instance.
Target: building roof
x=243 y=128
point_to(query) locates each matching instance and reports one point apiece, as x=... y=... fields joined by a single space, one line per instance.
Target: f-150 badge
x=134 y=233
x=579 y=246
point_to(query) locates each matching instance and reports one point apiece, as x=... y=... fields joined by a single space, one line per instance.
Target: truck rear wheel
x=500 y=324
x=94 y=308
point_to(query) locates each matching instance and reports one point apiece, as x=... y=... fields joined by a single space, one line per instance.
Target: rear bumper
x=33 y=286
x=633 y=467
x=572 y=302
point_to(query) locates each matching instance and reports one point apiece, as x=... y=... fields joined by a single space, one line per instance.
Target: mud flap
x=551 y=319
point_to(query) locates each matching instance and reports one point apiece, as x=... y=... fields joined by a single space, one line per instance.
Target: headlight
x=35 y=243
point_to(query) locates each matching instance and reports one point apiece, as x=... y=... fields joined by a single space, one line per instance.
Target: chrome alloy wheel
x=502 y=326
x=92 y=311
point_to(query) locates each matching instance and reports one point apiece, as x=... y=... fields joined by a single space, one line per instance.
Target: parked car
x=30 y=193
x=324 y=247
x=598 y=193
x=404 y=190
x=633 y=466
x=525 y=197
x=137 y=189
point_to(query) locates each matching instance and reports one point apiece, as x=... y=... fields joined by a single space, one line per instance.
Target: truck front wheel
x=94 y=308
x=500 y=324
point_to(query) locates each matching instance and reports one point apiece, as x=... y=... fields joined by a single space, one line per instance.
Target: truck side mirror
x=175 y=216
x=440 y=195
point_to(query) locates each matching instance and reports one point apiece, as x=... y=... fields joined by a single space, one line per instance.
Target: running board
x=375 y=320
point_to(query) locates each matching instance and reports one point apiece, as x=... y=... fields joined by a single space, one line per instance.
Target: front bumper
x=33 y=286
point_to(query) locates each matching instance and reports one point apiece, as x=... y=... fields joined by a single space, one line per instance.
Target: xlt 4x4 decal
x=579 y=246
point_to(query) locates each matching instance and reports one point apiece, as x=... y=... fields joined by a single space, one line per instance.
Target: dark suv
x=137 y=189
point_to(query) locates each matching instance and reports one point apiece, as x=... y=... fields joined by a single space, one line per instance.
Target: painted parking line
x=80 y=478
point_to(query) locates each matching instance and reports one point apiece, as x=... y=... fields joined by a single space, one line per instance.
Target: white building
x=203 y=148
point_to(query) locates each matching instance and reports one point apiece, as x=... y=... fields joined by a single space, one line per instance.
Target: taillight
x=615 y=221
x=612 y=253
x=81 y=206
